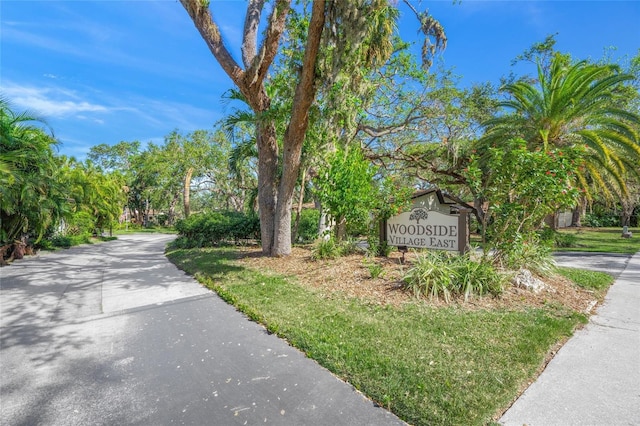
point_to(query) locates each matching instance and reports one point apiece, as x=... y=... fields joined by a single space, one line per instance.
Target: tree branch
x=261 y=62
x=203 y=20
x=250 y=33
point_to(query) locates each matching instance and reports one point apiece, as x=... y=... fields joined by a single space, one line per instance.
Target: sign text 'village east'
x=429 y=224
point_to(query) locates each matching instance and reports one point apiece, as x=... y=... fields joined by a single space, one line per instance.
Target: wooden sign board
x=431 y=223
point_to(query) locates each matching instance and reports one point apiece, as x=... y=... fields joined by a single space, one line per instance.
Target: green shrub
x=214 y=228
x=525 y=251
x=357 y=228
x=66 y=241
x=375 y=269
x=325 y=249
x=61 y=241
x=557 y=239
x=431 y=275
x=442 y=274
x=331 y=249
x=563 y=239
x=308 y=228
x=377 y=248
x=600 y=220
x=80 y=223
x=478 y=278
x=349 y=246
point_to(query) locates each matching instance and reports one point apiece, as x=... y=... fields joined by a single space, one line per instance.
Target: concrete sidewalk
x=594 y=379
x=114 y=334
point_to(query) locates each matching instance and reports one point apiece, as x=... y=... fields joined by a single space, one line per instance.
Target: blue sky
x=109 y=71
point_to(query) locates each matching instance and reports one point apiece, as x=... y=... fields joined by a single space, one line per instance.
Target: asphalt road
x=611 y=263
x=113 y=334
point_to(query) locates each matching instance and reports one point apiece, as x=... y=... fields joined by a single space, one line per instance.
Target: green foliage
x=442 y=274
x=210 y=229
x=95 y=195
x=345 y=188
x=62 y=241
x=591 y=280
x=349 y=246
x=326 y=249
x=114 y=157
x=159 y=178
x=521 y=187
x=600 y=220
x=331 y=248
x=308 y=228
x=524 y=251
x=32 y=198
x=557 y=239
x=375 y=247
x=81 y=223
x=575 y=104
x=392 y=197
x=40 y=191
x=66 y=241
x=375 y=268
x=565 y=240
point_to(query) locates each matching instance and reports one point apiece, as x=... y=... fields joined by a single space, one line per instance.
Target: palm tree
x=575 y=105
x=31 y=198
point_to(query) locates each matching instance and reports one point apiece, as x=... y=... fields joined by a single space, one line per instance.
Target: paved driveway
x=611 y=263
x=113 y=334
x=594 y=379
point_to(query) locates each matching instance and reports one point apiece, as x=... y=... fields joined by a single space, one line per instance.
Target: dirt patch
x=350 y=276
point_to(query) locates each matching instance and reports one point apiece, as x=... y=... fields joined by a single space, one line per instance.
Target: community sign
x=431 y=223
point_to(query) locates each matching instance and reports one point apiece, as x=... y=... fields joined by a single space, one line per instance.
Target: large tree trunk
x=282 y=219
x=578 y=212
x=274 y=198
x=171 y=217
x=341 y=229
x=294 y=135
x=296 y=225
x=186 y=194
x=481 y=215
x=627 y=212
x=552 y=220
x=267 y=177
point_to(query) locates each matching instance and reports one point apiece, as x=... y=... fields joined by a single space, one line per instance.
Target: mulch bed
x=349 y=277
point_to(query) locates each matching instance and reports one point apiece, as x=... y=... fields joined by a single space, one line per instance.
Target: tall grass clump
x=325 y=249
x=525 y=251
x=446 y=275
x=331 y=249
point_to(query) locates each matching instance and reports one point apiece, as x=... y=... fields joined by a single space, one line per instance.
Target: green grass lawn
x=430 y=366
x=607 y=240
x=598 y=282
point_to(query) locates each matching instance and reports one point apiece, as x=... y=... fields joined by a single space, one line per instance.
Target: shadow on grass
x=202 y=261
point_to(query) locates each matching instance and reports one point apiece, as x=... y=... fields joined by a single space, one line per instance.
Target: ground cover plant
x=606 y=240
x=591 y=280
x=442 y=274
x=427 y=361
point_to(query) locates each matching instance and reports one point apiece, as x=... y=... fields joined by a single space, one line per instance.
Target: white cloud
x=162 y=113
x=50 y=101
x=91 y=119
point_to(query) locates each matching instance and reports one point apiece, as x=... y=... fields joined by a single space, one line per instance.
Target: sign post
x=427 y=226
